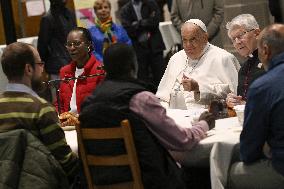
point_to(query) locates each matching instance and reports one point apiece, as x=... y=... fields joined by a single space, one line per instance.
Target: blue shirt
x=98 y=38
x=18 y=87
x=264 y=119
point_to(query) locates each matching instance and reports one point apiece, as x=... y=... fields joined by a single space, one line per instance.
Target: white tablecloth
x=71 y=139
x=184 y=118
x=220 y=161
x=215 y=151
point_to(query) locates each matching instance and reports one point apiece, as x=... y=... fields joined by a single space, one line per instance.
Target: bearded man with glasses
x=243 y=31
x=22 y=111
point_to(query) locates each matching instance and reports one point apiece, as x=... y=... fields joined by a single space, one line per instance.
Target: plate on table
x=69 y=128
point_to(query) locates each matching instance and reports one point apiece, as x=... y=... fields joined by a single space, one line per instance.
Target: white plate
x=68 y=128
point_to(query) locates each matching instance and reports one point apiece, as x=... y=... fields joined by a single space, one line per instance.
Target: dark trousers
x=197 y=177
x=151 y=66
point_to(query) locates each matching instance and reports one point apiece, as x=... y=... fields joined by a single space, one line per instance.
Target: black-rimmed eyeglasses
x=75 y=44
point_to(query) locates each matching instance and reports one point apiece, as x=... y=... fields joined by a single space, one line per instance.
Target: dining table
x=215 y=151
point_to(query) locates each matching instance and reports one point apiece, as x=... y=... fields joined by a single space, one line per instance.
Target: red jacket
x=84 y=87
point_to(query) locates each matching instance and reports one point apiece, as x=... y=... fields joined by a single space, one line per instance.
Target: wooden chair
x=130 y=159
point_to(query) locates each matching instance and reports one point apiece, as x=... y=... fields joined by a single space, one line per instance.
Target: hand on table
x=69 y=119
x=189 y=84
x=233 y=100
x=209 y=118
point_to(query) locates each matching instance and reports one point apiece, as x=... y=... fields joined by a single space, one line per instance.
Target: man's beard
x=37 y=85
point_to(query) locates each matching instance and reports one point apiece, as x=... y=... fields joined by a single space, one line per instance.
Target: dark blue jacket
x=264 y=119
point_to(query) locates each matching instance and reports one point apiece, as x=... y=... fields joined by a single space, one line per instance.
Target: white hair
x=247 y=21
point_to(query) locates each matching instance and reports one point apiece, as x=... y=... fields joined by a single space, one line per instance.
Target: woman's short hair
x=86 y=35
x=98 y=3
x=14 y=59
x=247 y=21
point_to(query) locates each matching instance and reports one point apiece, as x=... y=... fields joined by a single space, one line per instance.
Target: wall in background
x=26 y=26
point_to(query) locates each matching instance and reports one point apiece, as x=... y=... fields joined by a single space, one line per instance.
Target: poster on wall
x=84 y=13
x=35 y=7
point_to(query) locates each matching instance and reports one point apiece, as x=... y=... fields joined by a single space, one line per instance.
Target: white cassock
x=216 y=73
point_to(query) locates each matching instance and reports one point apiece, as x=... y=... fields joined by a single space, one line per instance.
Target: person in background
x=123 y=96
x=210 y=12
x=22 y=108
x=83 y=65
x=262 y=137
x=141 y=19
x=243 y=31
x=199 y=72
x=169 y=3
x=105 y=32
x=54 y=28
x=161 y=4
x=275 y=7
x=120 y=4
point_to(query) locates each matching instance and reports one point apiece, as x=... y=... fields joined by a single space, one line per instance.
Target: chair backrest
x=130 y=158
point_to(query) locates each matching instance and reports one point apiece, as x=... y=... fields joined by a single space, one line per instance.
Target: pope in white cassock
x=199 y=72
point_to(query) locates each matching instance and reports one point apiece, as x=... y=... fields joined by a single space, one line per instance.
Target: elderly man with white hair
x=199 y=72
x=243 y=31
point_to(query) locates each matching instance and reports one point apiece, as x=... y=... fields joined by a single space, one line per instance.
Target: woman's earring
x=89 y=49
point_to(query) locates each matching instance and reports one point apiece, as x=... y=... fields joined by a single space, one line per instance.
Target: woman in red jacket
x=83 y=66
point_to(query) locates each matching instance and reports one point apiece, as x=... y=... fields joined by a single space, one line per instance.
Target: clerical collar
x=253 y=54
